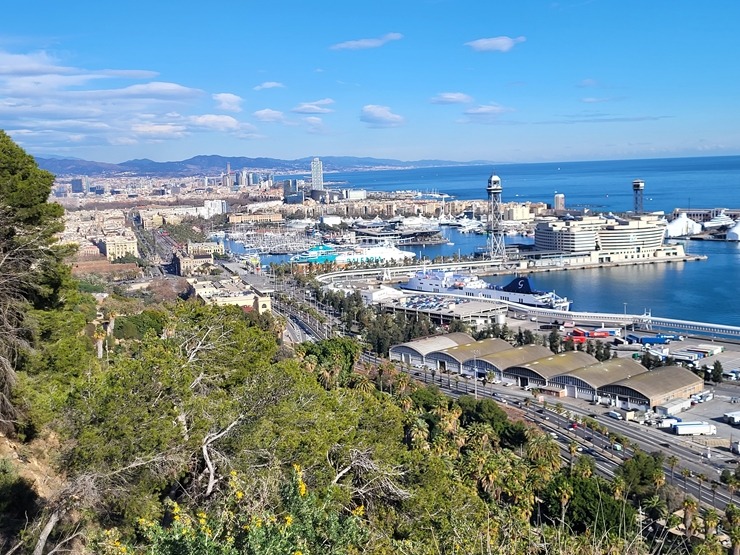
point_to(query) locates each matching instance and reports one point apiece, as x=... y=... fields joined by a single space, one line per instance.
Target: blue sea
x=697 y=290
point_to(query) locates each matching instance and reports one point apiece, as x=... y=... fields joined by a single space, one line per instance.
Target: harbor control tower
x=496 y=246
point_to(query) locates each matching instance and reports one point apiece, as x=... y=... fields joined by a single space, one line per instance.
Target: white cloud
x=269 y=85
x=495 y=44
x=593 y=100
x=362 y=44
x=269 y=116
x=315 y=107
x=37 y=63
x=588 y=83
x=380 y=116
x=485 y=113
x=451 y=98
x=159 y=130
x=229 y=102
x=215 y=122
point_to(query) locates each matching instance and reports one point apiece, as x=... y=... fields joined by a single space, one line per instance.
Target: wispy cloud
x=362 y=44
x=315 y=107
x=229 y=102
x=485 y=113
x=159 y=130
x=380 y=116
x=269 y=116
x=314 y=125
x=588 y=83
x=269 y=85
x=451 y=98
x=597 y=100
x=601 y=118
x=495 y=44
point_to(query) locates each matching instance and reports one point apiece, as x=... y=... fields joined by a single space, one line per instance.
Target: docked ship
x=519 y=290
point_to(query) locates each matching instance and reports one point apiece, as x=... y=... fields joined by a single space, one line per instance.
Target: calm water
x=703 y=291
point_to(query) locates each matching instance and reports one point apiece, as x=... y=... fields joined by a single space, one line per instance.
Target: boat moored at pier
x=519 y=290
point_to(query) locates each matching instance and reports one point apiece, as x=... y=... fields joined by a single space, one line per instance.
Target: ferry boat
x=519 y=290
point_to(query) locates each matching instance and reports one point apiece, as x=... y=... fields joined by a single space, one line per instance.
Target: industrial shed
x=497 y=363
x=414 y=353
x=584 y=383
x=539 y=372
x=465 y=359
x=650 y=389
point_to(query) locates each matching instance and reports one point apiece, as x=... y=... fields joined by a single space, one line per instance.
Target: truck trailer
x=695 y=429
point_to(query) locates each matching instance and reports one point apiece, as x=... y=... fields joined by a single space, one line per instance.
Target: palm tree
x=565 y=492
x=711 y=520
x=701 y=478
x=734 y=534
x=543 y=452
x=619 y=487
x=572 y=449
x=714 y=487
x=656 y=507
x=418 y=434
x=689 y=510
x=658 y=478
x=672 y=462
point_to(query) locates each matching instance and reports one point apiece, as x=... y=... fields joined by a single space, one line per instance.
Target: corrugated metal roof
x=484 y=347
x=516 y=356
x=561 y=363
x=426 y=345
x=661 y=381
x=608 y=372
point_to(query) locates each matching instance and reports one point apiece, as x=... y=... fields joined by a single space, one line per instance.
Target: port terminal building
x=620 y=382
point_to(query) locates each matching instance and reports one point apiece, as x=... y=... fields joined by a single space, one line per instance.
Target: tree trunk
x=41 y=543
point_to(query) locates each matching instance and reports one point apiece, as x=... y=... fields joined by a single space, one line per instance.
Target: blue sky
x=505 y=81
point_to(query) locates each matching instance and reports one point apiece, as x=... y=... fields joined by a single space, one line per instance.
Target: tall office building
x=317 y=175
x=559 y=201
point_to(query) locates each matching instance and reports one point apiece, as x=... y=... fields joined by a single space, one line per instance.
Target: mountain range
x=213 y=165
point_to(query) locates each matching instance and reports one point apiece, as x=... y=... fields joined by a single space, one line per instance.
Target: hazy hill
x=213 y=165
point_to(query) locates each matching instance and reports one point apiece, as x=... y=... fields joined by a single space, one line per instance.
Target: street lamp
x=476 y=352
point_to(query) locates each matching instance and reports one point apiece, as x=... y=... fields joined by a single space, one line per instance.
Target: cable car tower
x=496 y=246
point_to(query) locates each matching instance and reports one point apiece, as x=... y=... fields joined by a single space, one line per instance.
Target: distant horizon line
x=426 y=160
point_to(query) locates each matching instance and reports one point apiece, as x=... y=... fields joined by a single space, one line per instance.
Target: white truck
x=695 y=429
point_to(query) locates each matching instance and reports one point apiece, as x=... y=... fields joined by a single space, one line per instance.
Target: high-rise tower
x=317 y=175
x=496 y=246
x=638 y=186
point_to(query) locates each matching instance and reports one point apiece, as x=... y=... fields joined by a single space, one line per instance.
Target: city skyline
x=421 y=79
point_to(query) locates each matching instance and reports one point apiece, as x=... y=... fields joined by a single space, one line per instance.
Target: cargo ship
x=519 y=290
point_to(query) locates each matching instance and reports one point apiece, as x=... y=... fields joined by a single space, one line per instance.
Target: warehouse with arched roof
x=497 y=363
x=414 y=353
x=463 y=359
x=651 y=389
x=584 y=382
x=539 y=372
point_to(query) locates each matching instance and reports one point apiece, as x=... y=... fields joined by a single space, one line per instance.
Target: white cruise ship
x=517 y=291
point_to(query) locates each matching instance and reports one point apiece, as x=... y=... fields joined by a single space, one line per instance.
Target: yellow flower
x=233 y=473
x=239 y=495
x=297 y=468
x=288 y=520
x=359 y=511
x=298 y=553
x=177 y=518
x=301 y=488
